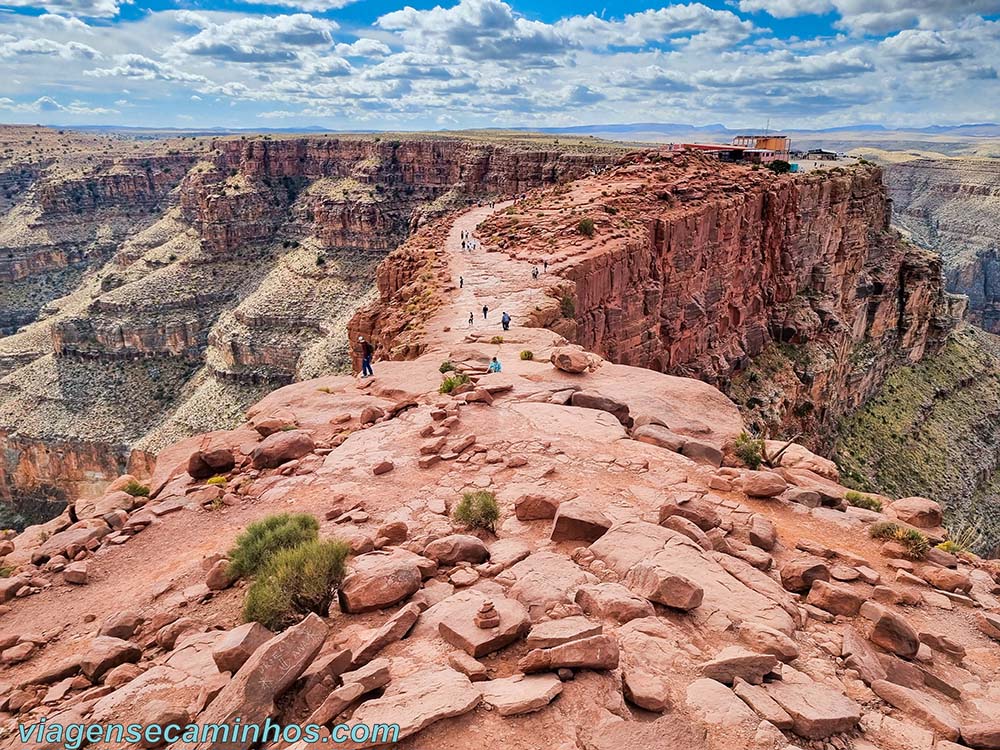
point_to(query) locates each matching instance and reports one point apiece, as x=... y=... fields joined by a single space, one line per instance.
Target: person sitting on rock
x=494 y=365
x=366 y=357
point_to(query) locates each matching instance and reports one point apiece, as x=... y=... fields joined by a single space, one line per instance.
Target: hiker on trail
x=505 y=321
x=366 y=357
x=461 y=282
x=486 y=311
x=463 y=244
x=494 y=365
x=471 y=319
x=545 y=265
x=534 y=272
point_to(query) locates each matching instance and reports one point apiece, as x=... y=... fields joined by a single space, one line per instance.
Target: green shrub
x=966 y=540
x=136 y=489
x=217 y=481
x=779 y=166
x=750 y=450
x=859 y=500
x=5 y=571
x=527 y=354
x=263 y=539
x=295 y=582
x=452 y=382
x=916 y=544
x=477 y=510
x=883 y=530
x=496 y=340
x=586 y=227
x=446 y=366
x=567 y=306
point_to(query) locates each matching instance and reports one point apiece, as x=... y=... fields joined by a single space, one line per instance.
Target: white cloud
x=262 y=39
x=48 y=104
x=878 y=16
x=85 y=8
x=311 y=6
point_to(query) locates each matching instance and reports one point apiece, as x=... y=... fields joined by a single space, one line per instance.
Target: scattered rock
x=280 y=447
x=232 y=650
x=597 y=652
x=520 y=694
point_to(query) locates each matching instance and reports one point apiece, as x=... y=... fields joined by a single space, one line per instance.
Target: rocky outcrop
x=194 y=275
x=950 y=206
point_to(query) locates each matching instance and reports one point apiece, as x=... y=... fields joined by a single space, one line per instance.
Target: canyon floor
x=651 y=590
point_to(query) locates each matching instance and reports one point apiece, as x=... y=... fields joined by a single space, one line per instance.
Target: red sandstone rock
x=281 y=447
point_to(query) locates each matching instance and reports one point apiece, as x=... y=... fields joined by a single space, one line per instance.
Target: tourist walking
x=505 y=321
x=366 y=351
x=461 y=282
x=486 y=311
x=471 y=319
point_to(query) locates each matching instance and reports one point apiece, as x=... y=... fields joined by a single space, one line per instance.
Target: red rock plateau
x=640 y=587
x=152 y=290
x=791 y=294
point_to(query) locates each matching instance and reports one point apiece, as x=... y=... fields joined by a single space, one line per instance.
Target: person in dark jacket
x=505 y=321
x=366 y=357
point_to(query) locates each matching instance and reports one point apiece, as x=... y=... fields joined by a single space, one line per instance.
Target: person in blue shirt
x=495 y=365
x=505 y=321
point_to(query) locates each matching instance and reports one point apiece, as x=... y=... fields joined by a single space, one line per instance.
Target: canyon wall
x=951 y=206
x=152 y=290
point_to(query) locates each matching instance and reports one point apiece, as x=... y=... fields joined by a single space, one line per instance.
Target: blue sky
x=384 y=64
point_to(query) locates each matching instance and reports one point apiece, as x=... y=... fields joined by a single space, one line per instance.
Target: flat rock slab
x=816 y=710
x=736 y=663
x=414 y=703
x=520 y=694
x=633 y=542
x=460 y=629
x=554 y=632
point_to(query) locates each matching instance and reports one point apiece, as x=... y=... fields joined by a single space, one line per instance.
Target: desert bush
x=750 y=450
x=527 y=354
x=916 y=543
x=136 y=489
x=779 y=166
x=567 y=306
x=217 y=481
x=883 y=530
x=858 y=500
x=586 y=227
x=452 y=382
x=296 y=581
x=477 y=510
x=496 y=340
x=263 y=539
x=965 y=540
x=446 y=366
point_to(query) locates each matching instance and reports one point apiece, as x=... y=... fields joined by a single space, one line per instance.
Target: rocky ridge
x=642 y=586
x=950 y=206
x=157 y=295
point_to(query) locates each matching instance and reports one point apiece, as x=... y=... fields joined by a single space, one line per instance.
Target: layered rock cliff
x=951 y=206
x=157 y=293
x=789 y=293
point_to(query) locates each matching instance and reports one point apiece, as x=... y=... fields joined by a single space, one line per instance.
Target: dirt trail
x=492 y=278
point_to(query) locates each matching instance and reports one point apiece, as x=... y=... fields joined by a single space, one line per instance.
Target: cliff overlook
x=569 y=553
x=153 y=290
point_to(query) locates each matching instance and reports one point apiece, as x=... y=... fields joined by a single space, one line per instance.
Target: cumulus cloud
x=649 y=26
x=878 y=16
x=311 y=6
x=264 y=39
x=48 y=104
x=86 y=8
x=912 y=45
x=67 y=50
x=143 y=68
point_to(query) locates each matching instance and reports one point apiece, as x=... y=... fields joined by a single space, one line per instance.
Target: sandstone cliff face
x=157 y=294
x=791 y=293
x=951 y=206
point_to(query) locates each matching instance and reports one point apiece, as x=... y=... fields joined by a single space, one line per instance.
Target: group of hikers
x=367 y=352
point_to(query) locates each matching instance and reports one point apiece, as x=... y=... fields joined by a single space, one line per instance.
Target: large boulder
x=104 y=653
x=456 y=548
x=660 y=585
x=594 y=400
x=701 y=513
x=232 y=650
x=203 y=464
x=920 y=706
x=578 y=520
x=612 y=601
x=281 y=447
x=736 y=663
x=380 y=579
x=817 y=711
x=596 y=652
x=459 y=627
x=917 y=511
x=891 y=631
x=660 y=436
x=982 y=734
x=762 y=483
x=271 y=670
x=800 y=573
x=520 y=694
x=570 y=359
x=835 y=598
